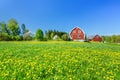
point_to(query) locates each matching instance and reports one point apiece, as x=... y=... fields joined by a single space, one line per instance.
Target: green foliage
x=59 y=61
x=4 y=36
x=12 y=31
x=39 y=35
x=5 y=32
x=45 y=39
x=66 y=37
x=4 y=28
x=13 y=27
x=118 y=39
x=15 y=38
x=112 y=39
x=51 y=33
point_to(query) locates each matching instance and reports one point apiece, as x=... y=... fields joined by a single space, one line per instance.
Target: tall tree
x=4 y=32
x=48 y=34
x=4 y=28
x=13 y=27
x=51 y=33
x=39 y=34
x=65 y=37
x=23 y=29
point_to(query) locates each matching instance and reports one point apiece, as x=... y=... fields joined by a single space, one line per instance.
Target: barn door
x=79 y=36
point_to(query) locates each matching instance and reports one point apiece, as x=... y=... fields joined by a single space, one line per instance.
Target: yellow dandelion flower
x=70 y=78
x=97 y=73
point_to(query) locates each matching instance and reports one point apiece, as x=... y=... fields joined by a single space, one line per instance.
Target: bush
x=15 y=38
x=39 y=35
x=45 y=39
x=4 y=37
x=66 y=37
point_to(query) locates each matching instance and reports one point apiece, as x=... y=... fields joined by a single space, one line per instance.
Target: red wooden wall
x=97 y=38
x=77 y=34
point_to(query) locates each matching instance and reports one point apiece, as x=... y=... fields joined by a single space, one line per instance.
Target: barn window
x=79 y=36
x=79 y=31
x=74 y=31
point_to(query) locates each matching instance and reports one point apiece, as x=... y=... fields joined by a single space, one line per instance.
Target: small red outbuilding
x=77 y=34
x=97 y=38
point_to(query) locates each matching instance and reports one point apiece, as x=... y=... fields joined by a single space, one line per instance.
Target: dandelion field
x=59 y=61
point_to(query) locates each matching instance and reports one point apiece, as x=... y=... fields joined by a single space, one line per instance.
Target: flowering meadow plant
x=59 y=61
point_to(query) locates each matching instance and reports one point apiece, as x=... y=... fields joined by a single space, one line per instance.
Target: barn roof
x=97 y=35
x=78 y=28
x=55 y=37
x=92 y=36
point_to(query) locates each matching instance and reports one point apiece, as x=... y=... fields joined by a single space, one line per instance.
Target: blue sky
x=93 y=16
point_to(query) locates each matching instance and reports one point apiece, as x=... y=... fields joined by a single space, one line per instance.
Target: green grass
x=59 y=61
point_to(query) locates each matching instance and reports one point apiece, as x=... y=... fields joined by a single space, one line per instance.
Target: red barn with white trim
x=77 y=34
x=97 y=38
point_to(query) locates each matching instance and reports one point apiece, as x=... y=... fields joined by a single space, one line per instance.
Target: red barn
x=97 y=38
x=77 y=34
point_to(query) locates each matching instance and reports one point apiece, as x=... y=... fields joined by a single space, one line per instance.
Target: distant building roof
x=55 y=37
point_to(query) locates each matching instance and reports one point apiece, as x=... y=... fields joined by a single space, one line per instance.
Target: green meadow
x=54 y=60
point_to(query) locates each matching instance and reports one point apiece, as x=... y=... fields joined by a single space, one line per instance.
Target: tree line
x=11 y=31
x=112 y=38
